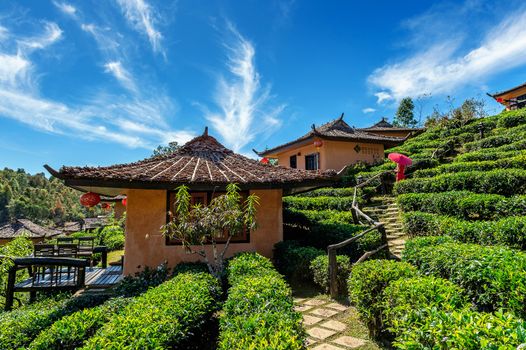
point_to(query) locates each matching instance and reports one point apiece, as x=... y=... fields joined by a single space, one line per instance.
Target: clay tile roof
x=507 y=91
x=202 y=160
x=384 y=125
x=24 y=227
x=338 y=130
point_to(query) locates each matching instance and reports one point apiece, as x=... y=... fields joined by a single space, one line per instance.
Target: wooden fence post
x=354 y=217
x=333 y=272
x=10 y=293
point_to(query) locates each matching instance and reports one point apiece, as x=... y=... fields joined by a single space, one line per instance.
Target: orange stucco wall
x=146 y=213
x=334 y=154
x=118 y=210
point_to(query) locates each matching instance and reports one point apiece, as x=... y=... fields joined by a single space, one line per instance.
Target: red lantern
x=89 y=199
x=264 y=160
x=318 y=143
x=500 y=100
x=105 y=205
x=124 y=200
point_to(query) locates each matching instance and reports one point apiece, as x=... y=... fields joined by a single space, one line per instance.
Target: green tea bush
x=112 y=237
x=462 y=329
x=517 y=162
x=319 y=268
x=329 y=192
x=20 y=246
x=367 y=283
x=312 y=217
x=259 y=312
x=487 y=155
x=510 y=119
x=131 y=286
x=491 y=142
x=163 y=317
x=493 y=277
x=510 y=232
x=20 y=326
x=464 y=204
x=70 y=332
x=293 y=260
x=318 y=203
x=499 y=181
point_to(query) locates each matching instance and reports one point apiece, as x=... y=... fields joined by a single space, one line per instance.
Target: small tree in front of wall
x=196 y=226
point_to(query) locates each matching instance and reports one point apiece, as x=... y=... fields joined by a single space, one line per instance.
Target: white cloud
x=383 y=96
x=242 y=100
x=4 y=33
x=442 y=66
x=121 y=74
x=142 y=17
x=51 y=34
x=66 y=8
x=368 y=110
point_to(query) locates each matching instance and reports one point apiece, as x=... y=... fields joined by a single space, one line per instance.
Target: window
x=293 y=161
x=204 y=198
x=312 y=161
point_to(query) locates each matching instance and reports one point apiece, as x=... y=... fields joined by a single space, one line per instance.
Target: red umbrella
x=400 y=159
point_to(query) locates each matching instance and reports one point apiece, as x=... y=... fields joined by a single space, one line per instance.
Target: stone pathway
x=331 y=325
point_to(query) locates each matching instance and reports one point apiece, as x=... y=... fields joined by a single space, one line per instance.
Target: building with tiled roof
x=384 y=128
x=206 y=167
x=25 y=228
x=513 y=98
x=333 y=145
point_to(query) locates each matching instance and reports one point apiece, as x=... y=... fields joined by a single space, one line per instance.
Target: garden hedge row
x=510 y=119
x=329 y=192
x=517 y=162
x=19 y=246
x=510 y=232
x=312 y=217
x=259 y=311
x=487 y=154
x=319 y=268
x=506 y=138
x=72 y=331
x=318 y=203
x=464 y=204
x=163 y=317
x=492 y=277
x=499 y=181
x=20 y=326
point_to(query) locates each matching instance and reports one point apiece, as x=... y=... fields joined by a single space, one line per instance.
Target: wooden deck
x=96 y=277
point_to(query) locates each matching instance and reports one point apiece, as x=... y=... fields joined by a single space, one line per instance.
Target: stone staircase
x=385 y=210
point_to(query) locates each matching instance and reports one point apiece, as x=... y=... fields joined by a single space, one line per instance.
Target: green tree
x=197 y=225
x=405 y=116
x=166 y=150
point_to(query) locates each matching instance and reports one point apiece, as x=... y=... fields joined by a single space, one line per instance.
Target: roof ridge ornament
x=205 y=133
x=341 y=116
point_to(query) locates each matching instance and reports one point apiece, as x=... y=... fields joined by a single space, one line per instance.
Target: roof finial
x=341 y=116
x=206 y=131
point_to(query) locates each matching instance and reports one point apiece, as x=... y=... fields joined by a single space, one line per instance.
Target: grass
x=114 y=256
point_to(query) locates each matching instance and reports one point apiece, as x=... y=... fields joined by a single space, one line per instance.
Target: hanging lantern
x=264 y=160
x=89 y=199
x=105 y=206
x=318 y=144
x=500 y=100
x=124 y=201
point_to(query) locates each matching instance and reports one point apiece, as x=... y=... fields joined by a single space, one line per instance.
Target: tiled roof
x=338 y=129
x=24 y=227
x=202 y=160
x=384 y=125
x=507 y=91
x=91 y=223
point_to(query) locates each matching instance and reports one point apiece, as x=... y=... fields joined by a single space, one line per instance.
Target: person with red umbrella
x=401 y=162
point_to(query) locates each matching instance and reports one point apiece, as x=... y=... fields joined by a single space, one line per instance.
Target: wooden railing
x=357 y=214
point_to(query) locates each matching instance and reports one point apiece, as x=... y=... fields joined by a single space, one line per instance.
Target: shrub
x=259 y=313
x=163 y=317
x=329 y=192
x=463 y=329
x=112 y=237
x=512 y=118
x=318 y=203
x=319 y=269
x=500 y=181
x=311 y=217
x=493 y=277
x=131 y=286
x=487 y=155
x=72 y=331
x=20 y=246
x=510 y=231
x=367 y=283
x=19 y=327
x=294 y=260
x=514 y=162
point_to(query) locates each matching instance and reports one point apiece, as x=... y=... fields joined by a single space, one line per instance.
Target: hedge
x=163 y=317
x=510 y=232
x=330 y=192
x=495 y=141
x=318 y=203
x=510 y=119
x=294 y=260
x=487 y=154
x=514 y=162
x=312 y=217
x=20 y=326
x=367 y=283
x=72 y=331
x=464 y=204
x=319 y=268
x=499 y=181
x=20 y=246
x=259 y=311
x=493 y=277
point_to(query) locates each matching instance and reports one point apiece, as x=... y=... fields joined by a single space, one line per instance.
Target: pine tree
x=405 y=116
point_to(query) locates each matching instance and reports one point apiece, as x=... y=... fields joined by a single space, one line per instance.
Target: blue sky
x=104 y=82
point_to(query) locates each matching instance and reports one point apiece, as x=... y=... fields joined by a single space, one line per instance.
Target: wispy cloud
x=142 y=17
x=368 y=110
x=65 y=8
x=445 y=64
x=4 y=33
x=241 y=99
x=121 y=74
